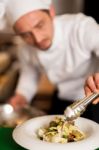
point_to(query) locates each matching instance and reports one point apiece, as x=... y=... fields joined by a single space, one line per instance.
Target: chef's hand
x=92 y=85
x=17 y=101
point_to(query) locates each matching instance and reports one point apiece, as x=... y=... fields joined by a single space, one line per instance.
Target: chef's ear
x=52 y=11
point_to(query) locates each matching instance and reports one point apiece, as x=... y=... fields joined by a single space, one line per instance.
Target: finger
x=91 y=84
x=13 y=104
x=96 y=79
x=96 y=101
x=87 y=91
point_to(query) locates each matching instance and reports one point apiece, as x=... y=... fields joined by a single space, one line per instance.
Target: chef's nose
x=37 y=36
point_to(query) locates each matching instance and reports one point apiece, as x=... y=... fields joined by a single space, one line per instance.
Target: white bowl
x=26 y=135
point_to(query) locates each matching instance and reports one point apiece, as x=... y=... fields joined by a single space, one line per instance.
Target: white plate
x=25 y=135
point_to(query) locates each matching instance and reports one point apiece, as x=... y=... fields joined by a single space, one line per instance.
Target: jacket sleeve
x=91 y=36
x=87 y=33
x=29 y=75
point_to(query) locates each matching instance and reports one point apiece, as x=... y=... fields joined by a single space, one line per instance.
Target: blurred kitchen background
x=9 y=65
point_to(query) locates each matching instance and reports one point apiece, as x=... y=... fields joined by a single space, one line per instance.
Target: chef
x=65 y=47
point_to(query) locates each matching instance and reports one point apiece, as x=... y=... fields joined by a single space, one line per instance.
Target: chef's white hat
x=18 y=8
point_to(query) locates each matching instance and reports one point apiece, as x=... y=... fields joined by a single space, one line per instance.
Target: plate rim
x=19 y=128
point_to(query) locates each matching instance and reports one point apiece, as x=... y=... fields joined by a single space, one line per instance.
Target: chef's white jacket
x=72 y=57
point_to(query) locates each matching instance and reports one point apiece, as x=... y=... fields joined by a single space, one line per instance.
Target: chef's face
x=36 y=28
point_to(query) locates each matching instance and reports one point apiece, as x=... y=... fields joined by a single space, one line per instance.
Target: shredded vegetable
x=60 y=131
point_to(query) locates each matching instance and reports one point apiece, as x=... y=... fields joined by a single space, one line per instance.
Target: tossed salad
x=60 y=131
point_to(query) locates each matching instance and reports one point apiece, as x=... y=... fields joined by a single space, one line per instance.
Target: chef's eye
x=26 y=35
x=40 y=25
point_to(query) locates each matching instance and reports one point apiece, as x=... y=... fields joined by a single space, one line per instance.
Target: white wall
x=68 y=6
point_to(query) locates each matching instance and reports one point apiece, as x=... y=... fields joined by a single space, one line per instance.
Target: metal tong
x=76 y=109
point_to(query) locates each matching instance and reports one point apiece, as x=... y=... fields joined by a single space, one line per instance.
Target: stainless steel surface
x=7 y=115
x=10 y=118
x=77 y=108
